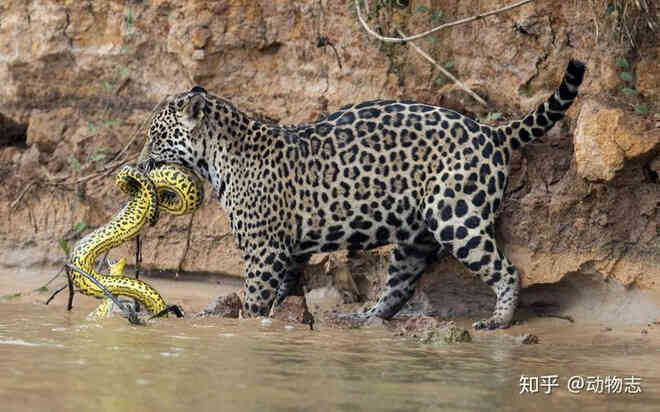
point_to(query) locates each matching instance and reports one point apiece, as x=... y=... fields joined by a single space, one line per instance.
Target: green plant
x=64 y=245
x=629 y=92
x=441 y=80
x=641 y=109
x=97 y=154
x=74 y=163
x=78 y=228
x=629 y=88
x=91 y=129
x=63 y=242
x=432 y=40
x=128 y=18
x=11 y=296
x=627 y=20
x=436 y=15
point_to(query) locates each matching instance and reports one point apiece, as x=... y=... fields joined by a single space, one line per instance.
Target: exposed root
x=179 y=268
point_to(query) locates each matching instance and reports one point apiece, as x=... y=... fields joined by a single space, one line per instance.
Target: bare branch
x=433 y=30
x=20 y=196
x=444 y=71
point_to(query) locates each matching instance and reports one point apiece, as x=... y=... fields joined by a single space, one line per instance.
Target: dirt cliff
x=79 y=78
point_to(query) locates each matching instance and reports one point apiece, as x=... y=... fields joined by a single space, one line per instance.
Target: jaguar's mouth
x=148 y=165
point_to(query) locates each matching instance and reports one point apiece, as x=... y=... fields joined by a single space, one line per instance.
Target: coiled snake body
x=169 y=188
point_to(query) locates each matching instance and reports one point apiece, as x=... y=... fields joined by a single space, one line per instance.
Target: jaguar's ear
x=193 y=112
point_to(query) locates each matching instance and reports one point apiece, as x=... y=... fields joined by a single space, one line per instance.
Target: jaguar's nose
x=198 y=89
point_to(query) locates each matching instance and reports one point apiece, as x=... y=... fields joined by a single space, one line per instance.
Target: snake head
x=177 y=130
x=117 y=268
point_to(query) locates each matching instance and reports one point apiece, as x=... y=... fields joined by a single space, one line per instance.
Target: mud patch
x=227 y=306
x=12 y=133
x=588 y=297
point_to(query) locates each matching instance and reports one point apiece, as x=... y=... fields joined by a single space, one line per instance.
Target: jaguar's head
x=177 y=131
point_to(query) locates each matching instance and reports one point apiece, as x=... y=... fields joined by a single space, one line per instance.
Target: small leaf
x=622 y=62
x=64 y=245
x=626 y=76
x=12 y=296
x=79 y=227
x=91 y=128
x=97 y=157
x=629 y=92
x=491 y=116
x=106 y=85
x=439 y=81
x=75 y=163
x=423 y=9
x=437 y=15
x=449 y=64
x=41 y=289
x=103 y=149
x=641 y=109
x=123 y=71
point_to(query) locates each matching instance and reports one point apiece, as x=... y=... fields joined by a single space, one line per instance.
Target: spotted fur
x=421 y=177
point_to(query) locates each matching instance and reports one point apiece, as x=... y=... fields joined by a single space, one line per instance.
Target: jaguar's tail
x=520 y=132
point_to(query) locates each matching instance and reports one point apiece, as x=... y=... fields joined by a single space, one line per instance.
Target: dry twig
x=445 y=71
x=20 y=196
x=405 y=38
x=116 y=161
x=435 y=29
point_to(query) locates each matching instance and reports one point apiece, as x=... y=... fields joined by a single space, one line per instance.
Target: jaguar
x=423 y=178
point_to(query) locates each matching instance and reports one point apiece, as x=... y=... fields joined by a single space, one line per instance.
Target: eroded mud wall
x=77 y=79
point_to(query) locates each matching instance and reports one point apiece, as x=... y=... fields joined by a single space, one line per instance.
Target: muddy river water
x=51 y=360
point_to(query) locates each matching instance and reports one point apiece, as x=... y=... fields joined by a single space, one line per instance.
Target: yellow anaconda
x=169 y=188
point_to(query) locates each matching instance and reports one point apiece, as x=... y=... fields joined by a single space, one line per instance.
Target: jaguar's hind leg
x=462 y=231
x=407 y=263
x=406 y=266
